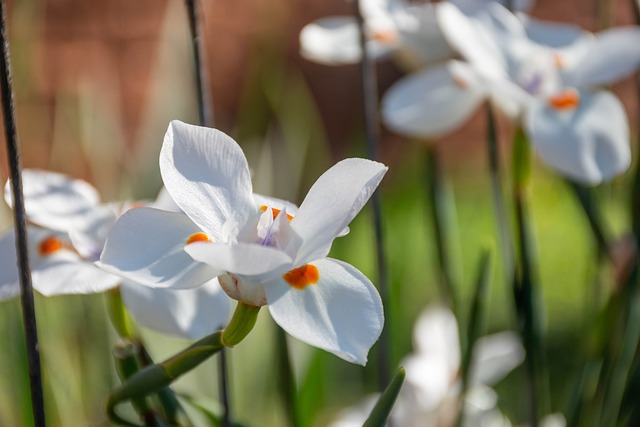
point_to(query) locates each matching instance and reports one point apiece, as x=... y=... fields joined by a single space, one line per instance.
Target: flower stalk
x=125 y=354
x=242 y=322
x=368 y=81
x=131 y=355
x=441 y=213
x=26 y=288
x=120 y=319
x=205 y=118
x=155 y=378
x=525 y=286
x=502 y=222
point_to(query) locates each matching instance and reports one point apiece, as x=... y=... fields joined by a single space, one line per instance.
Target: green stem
x=502 y=220
x=623 y=364
x=243 y=320
x=156 y=377
x=369 y=84
x=585 y=197
x=475 y=327
x=125 y=355
x=286 y=380
x=525 y=286
x=124 y=326
x=120 y=318
x=441 y=216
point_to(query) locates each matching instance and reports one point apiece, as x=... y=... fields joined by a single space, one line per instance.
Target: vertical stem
x=205 y=112
x=585 y=197
x=28 y=307
x=525 y=282
x=205 y=116
x=440 y=220
x=504 y=230
x=372 y=139
x=286 y=378
x=635 y=191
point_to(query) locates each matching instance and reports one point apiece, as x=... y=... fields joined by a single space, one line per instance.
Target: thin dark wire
x=372 y=138
x=28 y=308
x=205 y=116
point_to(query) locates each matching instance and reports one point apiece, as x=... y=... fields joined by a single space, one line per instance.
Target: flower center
x=198 y=237
x=302 y=277
x=50 y=245
x=275 y=211
x=565 y=100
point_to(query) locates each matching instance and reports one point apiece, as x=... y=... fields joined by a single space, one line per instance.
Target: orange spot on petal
x=460 y=82
x=50 y=245
x=302 y=277
x=559 y=61
x=198 y=237
x=565 y=100
x=275 y=212
x=388 y=36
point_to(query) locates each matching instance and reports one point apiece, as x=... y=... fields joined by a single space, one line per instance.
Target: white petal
x=356 y=416
x=341 y=313
x=422 y=39
x=58 y=273
x=165 y=202
x=147 y=246
x=335 y=40
x=242 y=259
x=9 y=282
x=56 y=201
x=62 y=273
x=613 y=55
x=207 y=175
x=553 y=34
x=517 y=5
x=494 y=356
x=433 y=102
x=589 y=144
x=553 y=420
x=186 y=313
x=435 y=335
x=428 y=381
x=332 y=202
x=475 y=39
x=89 y=240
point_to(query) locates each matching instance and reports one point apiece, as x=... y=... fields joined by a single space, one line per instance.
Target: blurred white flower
x=265 y=251
x=544 y=74
x=410 y=30
x=431 y=393
x=71 y=226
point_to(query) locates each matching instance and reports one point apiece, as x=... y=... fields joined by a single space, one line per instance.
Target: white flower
x=393 y=27
x=431 y=393
x=544 y=74
x=70 y=228
x=263 y=250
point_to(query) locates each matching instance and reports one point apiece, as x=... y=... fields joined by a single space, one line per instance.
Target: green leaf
x=380 y=413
